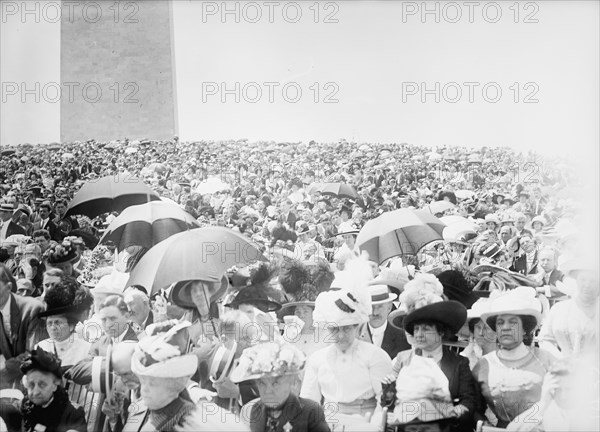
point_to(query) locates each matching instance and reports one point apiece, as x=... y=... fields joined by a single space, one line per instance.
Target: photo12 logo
x=69 y=11
x=469 y=11
x=53 y=92
x=270 y=92
x=270 y=11
x=470 y=91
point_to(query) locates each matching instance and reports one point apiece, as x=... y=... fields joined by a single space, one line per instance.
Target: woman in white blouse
x=66 y=304
x=348 y=372
x=571 y=327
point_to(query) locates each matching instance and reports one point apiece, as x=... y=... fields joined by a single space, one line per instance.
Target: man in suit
x=139 y=306
x=289 y=217
x=527 y=261
x=548 y=275
x=20 y=327
x=114 y=316
x=8 y=226
x=377 y=331
x=46 y=223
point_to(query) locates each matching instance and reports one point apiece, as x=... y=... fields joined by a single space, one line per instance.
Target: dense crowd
x=496 y=321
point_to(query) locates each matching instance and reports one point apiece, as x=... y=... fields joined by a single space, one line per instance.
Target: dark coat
x=58 y=417
x=463 y=387
x=26 y=328
x=14 y=229
x=304 y=415
x=519 y=264
x=50 y=227
x=81 y=373
x=555 y=276
x=394 y=339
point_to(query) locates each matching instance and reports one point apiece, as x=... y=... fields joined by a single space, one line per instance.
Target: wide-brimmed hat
x=519 y=301
x=181 y=293
x=478 y=308
x=302 y=227
x=539 y=219
x=394 y=278
x=162 y=353
x=257 y=292
x=61 y=253
x=67 y=298
x=303 y=282
x=423 y=299
x=351 y=303
x=268 y=359
x=580 y=264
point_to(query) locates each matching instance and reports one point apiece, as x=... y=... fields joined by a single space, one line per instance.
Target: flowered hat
x=423 y=299
x=62 y=252
x=163 y=352
x=268 y=359
x=519 y=301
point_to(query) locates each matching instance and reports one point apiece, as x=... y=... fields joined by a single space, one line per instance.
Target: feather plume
x=423 y=290
x=293 y=276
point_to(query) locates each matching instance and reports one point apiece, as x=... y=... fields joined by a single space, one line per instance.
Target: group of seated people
x=306 y=348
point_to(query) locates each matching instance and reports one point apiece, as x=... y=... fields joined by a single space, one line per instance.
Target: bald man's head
x=121 y=363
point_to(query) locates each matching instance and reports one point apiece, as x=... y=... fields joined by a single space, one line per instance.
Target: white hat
x=381 y=294
x=351 y=304
x=478 y=308
x=519 y=301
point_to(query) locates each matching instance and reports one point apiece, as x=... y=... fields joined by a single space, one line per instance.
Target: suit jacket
x=26 y=327
x=394 y=340
x=50 y=227
x=14 y=228
x=520 y=264
x=81 y=373
x=304 y=415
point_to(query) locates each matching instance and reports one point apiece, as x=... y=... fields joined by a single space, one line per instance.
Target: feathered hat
x=41 y=360
x=162 y=352
x=303 y=283
x=257 y=292
x=423 y=299
x=351 y=303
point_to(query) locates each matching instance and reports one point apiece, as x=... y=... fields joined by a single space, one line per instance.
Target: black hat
x=451 y=313
x=67 y=298
x=181 y=293
x=43 y=361
x=258 y=293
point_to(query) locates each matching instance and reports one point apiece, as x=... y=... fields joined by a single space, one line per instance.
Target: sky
x=367 y=71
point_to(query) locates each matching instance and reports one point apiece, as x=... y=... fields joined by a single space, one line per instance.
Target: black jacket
x=304 y=415
x=394 y=339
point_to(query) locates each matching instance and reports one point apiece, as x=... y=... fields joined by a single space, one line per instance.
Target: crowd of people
x=494 y=323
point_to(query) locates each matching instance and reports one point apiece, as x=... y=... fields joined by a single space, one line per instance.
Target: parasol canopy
x=199 y=254
x=399 y=232
x=148 y=224
x=111 y=193
x=212 y=185
x=340 y=190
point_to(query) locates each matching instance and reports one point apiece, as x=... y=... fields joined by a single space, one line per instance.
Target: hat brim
x=181 y=294
x=353 y=232
x=396 y=319
x=238 y=376
x=391 y=297
x=450 y=313
x=262 y=304
x=69 y=310
x=490 y=317
x=290 y=308
x=176 y=367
